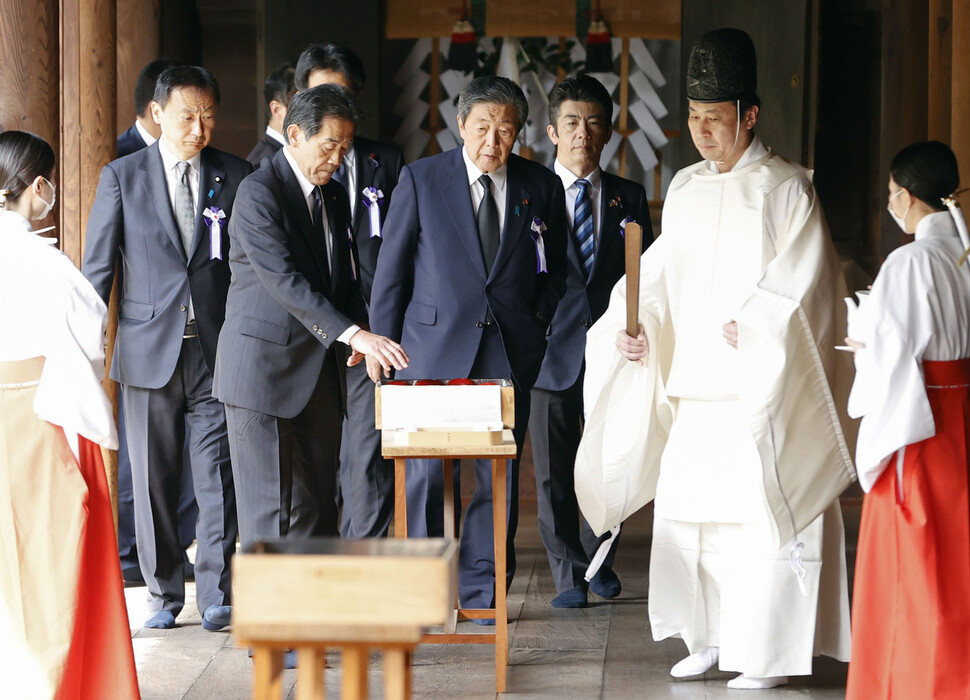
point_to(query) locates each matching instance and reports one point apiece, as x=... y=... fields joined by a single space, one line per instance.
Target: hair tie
x=956 y=211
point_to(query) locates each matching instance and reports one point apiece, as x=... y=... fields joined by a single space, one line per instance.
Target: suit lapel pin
x=211 y=193
x=616 y=201
x=218 y=178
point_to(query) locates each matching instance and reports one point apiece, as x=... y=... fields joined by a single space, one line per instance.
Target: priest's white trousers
x=724 y=585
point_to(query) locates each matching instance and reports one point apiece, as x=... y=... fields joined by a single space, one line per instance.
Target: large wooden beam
x=89 y=135
x=960 y=94
x=139 y=21
x=28 y=70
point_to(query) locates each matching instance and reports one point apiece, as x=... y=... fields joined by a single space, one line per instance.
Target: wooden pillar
x=89 y=135
x=28 y=71
x=940 y=69
x=960 y=95
x=137 y=45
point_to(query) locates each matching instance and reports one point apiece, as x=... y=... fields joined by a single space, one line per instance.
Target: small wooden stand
x=395 y=445
x=353 y=595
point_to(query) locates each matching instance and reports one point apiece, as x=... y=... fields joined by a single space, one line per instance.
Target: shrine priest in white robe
x=737 y=423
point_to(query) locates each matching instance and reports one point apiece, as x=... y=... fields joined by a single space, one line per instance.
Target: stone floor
x=604 y=651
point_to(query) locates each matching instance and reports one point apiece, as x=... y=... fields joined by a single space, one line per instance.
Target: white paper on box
x=414 y=407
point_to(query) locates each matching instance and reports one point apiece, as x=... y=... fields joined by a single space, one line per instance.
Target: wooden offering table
x=317 y=593
x=449 y=444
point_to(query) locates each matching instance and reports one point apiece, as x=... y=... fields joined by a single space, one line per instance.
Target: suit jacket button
x=479 y=324
x=323 y=334
x=182 y=307
x=539 y=316
x=316 y=327
x=584 y=323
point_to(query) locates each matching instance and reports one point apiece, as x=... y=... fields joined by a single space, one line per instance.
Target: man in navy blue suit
x=472 y=267
x=598 y=206
x=371 y=167
x=144 y=132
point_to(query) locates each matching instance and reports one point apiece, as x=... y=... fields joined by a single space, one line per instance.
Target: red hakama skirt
x=911 y=600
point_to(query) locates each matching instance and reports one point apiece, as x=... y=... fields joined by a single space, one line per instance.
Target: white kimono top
x=48 y=308
x=918 y=309
x=749 y=245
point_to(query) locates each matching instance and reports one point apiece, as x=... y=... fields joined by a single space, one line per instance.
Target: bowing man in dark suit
x=277 y=91
x=461 y=282
x=598 y=205
x=293 y=310
x=371 y=167
x=144 y=132
x=162 y=212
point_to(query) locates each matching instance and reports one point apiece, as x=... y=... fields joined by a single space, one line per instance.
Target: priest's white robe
x=744 y=449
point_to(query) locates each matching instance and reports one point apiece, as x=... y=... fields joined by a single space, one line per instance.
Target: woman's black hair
x=928 y=169
x=23 y=156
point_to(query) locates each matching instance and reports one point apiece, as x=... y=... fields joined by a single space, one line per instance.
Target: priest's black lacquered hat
x=723 y=67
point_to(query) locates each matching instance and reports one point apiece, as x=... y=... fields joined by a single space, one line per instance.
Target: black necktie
x=488 y=224
x=318 y=230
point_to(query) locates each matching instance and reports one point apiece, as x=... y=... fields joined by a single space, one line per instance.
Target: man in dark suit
x=293 y=309
x=369 y=172
x=144 y=132
x=598 y=206
x=277 y=91
x=162 y=211
x=464 y=283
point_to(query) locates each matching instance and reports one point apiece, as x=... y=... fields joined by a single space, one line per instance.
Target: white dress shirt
x=275 y=135
x=143 y=132
x=572 y=190
x=350 y=175
x=173 y=181
x=499 y=190
x=307 y=188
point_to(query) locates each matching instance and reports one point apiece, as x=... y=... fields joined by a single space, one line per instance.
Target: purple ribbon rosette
x=213 y=218
x=627 y=220
x=538 y=226
x=373 y=198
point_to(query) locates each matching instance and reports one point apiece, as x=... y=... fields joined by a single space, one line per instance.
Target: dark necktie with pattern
x=318 y=213
x=488 y=224
x=184 y=211
x=583 y=225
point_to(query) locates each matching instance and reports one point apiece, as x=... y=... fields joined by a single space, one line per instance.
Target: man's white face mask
x=900 y=220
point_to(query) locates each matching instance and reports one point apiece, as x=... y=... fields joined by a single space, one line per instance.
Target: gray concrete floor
x=603 y=651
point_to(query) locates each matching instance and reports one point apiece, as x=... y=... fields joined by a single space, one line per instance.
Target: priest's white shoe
x=744 y=682
x=697 y=663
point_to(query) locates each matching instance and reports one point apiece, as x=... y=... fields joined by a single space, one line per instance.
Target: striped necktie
x=583 y=225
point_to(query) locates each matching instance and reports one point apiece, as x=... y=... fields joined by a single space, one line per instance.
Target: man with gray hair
x=472 y=267
x=292 y=311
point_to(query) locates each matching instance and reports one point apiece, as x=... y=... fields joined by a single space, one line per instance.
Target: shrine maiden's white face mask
x=47 y=205
x=900 y=220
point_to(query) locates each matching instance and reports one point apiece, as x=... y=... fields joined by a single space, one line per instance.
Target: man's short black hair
x=279 y=85
x=309 y=108
x=330 y=57
x=145 y=85
x=178 y=77
x=580 y=88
